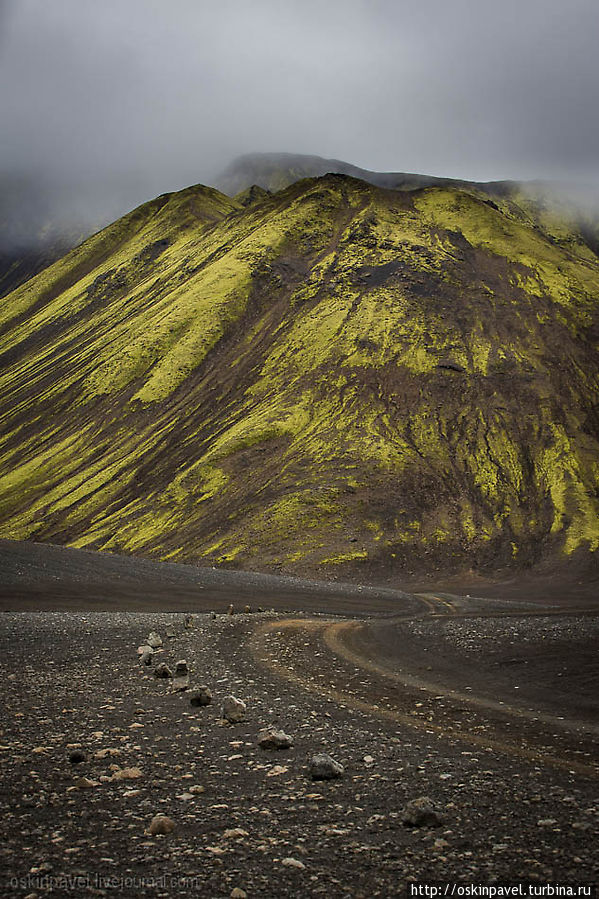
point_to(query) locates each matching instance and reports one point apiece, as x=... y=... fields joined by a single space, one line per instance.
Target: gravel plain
x=253 y=822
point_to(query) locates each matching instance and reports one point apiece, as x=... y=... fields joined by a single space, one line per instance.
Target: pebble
x=293 y=863
x=126 y=774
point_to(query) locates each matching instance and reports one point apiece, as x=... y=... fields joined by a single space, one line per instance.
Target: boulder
x=163 y=670
x=275 y=739
x=161 y=824
x=77 y=756
x=154 y=640
x=202 y=696
x=421 y=812
x=233 y=709
x=323 y=767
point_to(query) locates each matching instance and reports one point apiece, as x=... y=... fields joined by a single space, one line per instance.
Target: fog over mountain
x=106 y=105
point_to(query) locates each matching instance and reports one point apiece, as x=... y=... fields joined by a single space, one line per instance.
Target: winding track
x=292 y=648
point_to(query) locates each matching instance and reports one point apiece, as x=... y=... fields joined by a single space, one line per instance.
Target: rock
x=293 y=863
x=230 y=610
x=105 y=753
x=421 y=812
x=77 y=756
x=275 y=739
x=238 y=893
x=235 y=833
x=162 y=670
x=203 y=696
x=171 y=635
x=145 y=654
x=247 y=609
x=368 y=761
x=84 y=783
x=323 y=767
x=188 y=621
x=161 y=824
x=233 y=709
x=127 y=774
x=154 y=640
x=181 y=678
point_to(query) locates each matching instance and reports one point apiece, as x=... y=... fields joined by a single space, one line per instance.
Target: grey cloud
x=110 y=103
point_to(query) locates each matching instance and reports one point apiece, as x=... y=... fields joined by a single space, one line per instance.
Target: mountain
x=335 y=377
x=275 y=171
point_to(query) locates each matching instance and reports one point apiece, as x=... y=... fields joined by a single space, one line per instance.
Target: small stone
x=277 y=770
x=188 y=621
x=161 y=824
x=247 y=609
x=238 y=893
x=275 y=739
x=323 y=767
x=77 y=756
x=154 y=640
x=105 y=753
x=84 y=783
x=143 y=649
x=235 y=833
x=171 y=635
x=368 y=761
x=126 y=774
x=163 y=671
x=546 y=822
x=293 y=863
x=230 y=610
x=202 y=697
x=233 y=709
x=421 y=812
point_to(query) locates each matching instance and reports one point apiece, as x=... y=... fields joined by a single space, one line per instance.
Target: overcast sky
x=157 y=94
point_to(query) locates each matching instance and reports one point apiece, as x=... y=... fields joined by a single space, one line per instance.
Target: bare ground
x=487 y=706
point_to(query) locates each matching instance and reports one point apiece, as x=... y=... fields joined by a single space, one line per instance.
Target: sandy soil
x=487 y=706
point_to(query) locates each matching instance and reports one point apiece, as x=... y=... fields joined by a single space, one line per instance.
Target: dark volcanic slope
x=335 y=375
x=43 y=578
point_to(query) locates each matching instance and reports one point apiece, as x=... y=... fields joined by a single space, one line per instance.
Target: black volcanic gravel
x=245 y=818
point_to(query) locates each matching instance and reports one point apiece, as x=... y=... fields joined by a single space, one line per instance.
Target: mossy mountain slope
x=335 y=375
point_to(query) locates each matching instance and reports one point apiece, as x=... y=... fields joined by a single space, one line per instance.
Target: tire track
x=334 y=634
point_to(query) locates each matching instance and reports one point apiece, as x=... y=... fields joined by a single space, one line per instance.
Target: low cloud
x=107 y=104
